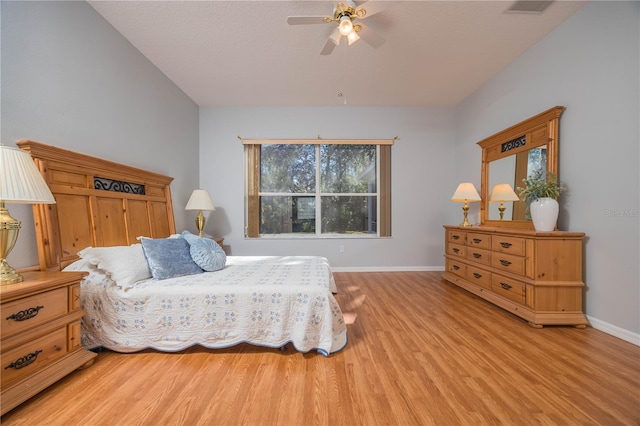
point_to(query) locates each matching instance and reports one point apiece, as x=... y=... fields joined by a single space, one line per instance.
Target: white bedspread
x=267 y=301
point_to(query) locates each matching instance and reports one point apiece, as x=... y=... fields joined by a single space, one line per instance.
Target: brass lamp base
x=8 y=275
x=465 y=209
x=200 y=220
x=501 y=209
x=9 y=229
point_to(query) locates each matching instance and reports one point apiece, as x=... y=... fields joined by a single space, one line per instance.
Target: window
x=318 y=188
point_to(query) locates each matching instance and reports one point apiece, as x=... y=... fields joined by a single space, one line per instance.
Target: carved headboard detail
x=99 y=203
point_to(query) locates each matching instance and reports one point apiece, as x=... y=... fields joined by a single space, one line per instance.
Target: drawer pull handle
x=505 y=262
x=456 y=250
x=455 y=237
x=477 y=275
x=477 y=240
x=505 y=244
x=477 y=255
x=456 y=267
x=505 y=286
x=25 y=314
x=24 y=361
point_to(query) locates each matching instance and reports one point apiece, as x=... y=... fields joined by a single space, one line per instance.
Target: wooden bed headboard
x=99 y=203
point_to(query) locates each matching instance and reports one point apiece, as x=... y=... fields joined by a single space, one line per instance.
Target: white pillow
x=79 y=265
x=125 y=264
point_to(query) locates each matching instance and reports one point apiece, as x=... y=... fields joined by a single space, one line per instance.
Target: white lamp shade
x=352 y=37
x=503 y=192
x=335 y=36
x=200 y=200
x=20 y=179
x=345 y=26
x=465 y=192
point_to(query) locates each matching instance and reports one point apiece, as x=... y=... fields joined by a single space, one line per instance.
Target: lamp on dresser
x=200 y=200
x=465 y=193
x=20 y=183
x=500 y=193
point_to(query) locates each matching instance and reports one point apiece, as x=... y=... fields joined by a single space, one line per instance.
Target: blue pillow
x=205 y=252
x=169 y=258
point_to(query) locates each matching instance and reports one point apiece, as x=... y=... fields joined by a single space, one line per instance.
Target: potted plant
x=540 y=193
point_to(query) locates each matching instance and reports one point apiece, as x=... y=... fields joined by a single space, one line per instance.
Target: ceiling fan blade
x=370 y=8
x=332 y=42
x=372 y=38
x=303 y=20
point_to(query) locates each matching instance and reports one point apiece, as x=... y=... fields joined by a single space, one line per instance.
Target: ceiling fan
x=345 y=14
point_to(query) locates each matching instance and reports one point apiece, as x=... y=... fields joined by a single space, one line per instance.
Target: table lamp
x=200 y=200
x=20 y=183
x=464 y=193
x=500 y=193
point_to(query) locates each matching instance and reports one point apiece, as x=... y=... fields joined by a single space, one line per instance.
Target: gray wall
x=590 y=65
x=421 y=173
x=69 y=79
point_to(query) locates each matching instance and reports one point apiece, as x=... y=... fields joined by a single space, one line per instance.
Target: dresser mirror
x=510 y=156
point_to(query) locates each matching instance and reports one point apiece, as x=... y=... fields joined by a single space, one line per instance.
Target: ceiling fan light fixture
x=346 y=26
x=352 y=37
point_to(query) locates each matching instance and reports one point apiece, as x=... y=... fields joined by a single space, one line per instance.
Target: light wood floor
x=420 y=352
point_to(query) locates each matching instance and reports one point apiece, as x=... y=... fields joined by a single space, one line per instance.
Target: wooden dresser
x=40 y=334
x=536 y=276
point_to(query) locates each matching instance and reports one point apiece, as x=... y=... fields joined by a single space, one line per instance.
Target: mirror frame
x=539 y=130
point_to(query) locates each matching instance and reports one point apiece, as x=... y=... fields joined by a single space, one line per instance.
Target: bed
x=104 y=207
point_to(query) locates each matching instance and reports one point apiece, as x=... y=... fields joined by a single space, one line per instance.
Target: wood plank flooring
x=420 y=352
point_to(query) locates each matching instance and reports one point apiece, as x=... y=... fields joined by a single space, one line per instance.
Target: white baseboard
x=387 y=268
x=620 y=333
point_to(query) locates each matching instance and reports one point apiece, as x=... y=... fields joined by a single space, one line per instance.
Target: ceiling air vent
x=529 y=6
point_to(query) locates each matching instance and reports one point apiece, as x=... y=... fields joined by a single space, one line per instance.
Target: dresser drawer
x=506 y=244
x=479 y=276
x=456 y=250
x=455 y=236
x=507 y=262
x=479 y=255
x=31 y=356
x=457 y=268
x=478 y=240
x=511 y=289
x=28 y=312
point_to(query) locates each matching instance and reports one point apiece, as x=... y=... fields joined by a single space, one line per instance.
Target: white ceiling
x=243 y=53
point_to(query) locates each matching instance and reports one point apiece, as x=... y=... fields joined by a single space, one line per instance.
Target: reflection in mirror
x=512 y=170
x=503 y=193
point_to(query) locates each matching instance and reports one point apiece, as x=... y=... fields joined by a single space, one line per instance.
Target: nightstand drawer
x=22 y=314
x=479 y=276
x=511 y=289
x=479 y=255
x=507 y=262
x=31 y=356
x=456 y=250
x=507 y=244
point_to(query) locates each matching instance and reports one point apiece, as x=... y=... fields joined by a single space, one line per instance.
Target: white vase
x=544 y=213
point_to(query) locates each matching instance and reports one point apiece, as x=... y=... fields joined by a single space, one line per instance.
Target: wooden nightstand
x=220 y=241
x=40 y=334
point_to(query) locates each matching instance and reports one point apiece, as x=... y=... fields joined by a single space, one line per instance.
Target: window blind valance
x=317 y=141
